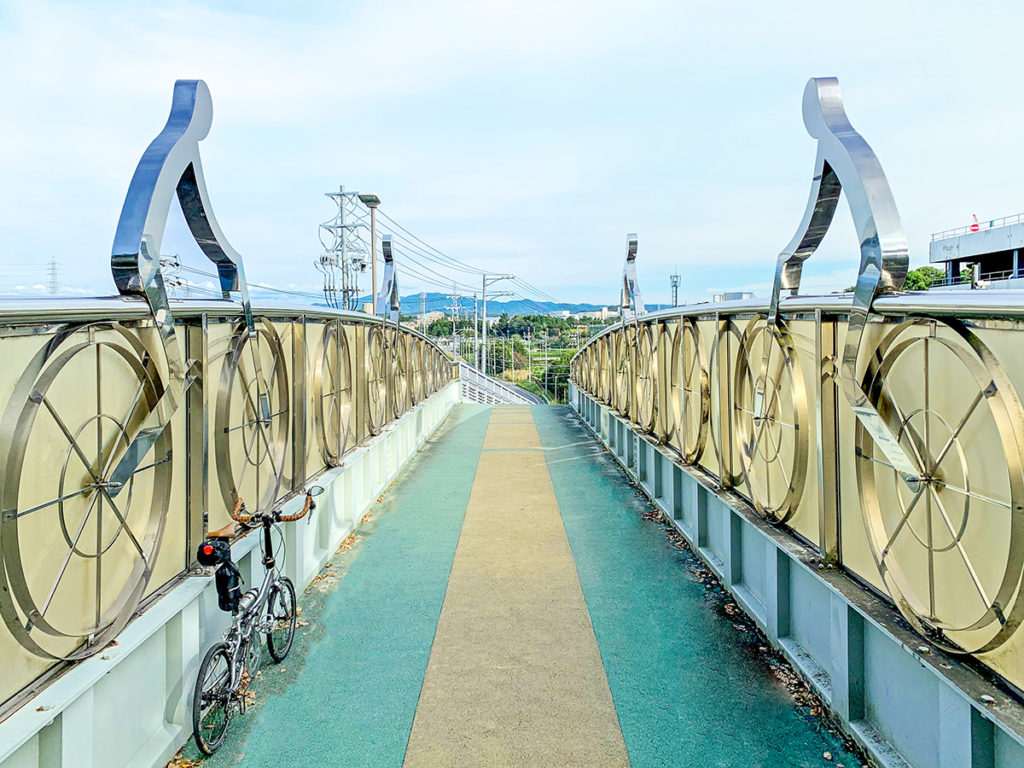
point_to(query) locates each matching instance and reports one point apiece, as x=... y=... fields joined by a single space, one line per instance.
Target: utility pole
x=529 y=357
x=423 y=312
x=371 y=202
x=476 y=333
x=674 y=279
x=454 y=307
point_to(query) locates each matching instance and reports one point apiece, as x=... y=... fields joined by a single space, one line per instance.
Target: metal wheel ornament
x=771 y=421
x=398 y=373
x=442 y=371
x=332 y=409
x=74 y=411
x=623 y=371
x=646 y=378
x=252 y=418
x=690 y=403
x=415 y=370
x=721 y=420
x=591 y=371
x=376 y=380
x=605 y=379
x=950 y=547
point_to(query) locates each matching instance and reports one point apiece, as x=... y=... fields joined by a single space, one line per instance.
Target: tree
x=923 y=278
x=440 y=327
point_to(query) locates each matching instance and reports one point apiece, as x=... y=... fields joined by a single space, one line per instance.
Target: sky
x=524 y=137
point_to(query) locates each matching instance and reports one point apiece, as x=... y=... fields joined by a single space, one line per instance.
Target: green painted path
x=508 y=605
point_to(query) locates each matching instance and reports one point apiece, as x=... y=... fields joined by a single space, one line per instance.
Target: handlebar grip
x=305 y=511
x=236 y=513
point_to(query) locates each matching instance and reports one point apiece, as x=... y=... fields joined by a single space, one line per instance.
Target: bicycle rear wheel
x=211 y=701
x=281 y=606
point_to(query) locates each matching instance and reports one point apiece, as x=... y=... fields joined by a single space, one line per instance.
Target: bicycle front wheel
x=211 y=702
x=281 y=606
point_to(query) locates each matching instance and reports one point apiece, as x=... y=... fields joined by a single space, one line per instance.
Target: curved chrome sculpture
x=171 y=165
x=631 y=303
x=846 y=162
x=388 y=301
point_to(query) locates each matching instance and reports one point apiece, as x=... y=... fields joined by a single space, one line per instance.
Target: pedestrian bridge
x=513 y=601
x=779 y=532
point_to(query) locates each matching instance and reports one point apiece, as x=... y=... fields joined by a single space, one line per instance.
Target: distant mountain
x=440 y=302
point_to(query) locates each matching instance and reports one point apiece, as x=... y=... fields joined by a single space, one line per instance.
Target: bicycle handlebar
x=276 y=516
x=236 y=513
x=305 y=511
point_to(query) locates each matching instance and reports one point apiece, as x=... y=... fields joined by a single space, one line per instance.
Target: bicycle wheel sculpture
x=949 y=548
x=770 y=420
x=333 y=394
x=416 y=370
x=690 y=403
x=646 y=378
x=606 y=378
x=623 y=370
x=251 y=420
x=398 y=375
x=376 y=380
x=721 y=423
x=72 y=416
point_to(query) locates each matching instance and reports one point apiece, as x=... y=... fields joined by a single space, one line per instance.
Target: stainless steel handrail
x=1005 y=221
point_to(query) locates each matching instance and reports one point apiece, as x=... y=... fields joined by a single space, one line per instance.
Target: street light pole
x=371 y=202
x=484 y=282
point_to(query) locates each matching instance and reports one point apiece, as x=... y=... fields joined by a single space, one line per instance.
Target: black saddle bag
x=229 y=580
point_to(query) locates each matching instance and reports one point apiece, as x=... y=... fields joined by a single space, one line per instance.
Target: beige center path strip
x=515 y=676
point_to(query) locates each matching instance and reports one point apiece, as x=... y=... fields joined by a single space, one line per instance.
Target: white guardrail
x=478 y=387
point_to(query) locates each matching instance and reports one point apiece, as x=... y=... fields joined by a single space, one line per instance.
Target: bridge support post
x=826 y=399
x=966 y=738
x=777 y=578
x=196 y=439
x=299 y=399
x=847 y=671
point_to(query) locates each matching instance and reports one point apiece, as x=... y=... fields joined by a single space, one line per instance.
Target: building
x=994 y=247
x=733 y=296
x=598 y=314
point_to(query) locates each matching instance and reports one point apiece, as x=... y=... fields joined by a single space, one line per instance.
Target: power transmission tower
x=423 y=312
x=344 y=250
x=53 y=272
x=674 y=279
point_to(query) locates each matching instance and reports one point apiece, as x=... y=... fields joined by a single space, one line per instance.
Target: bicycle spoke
x=963 y=555
x=64 y=565
x=902 y=523
x=124 y=522
x=956 y=432
x=70 y=438
x=978 y=496
x=58 y=500
x=862 y=455
x=915 y=439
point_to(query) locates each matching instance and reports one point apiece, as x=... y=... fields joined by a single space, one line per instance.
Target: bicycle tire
x=281 y=606
x=208 y=738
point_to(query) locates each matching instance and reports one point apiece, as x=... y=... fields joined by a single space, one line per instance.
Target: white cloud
x=521 y=136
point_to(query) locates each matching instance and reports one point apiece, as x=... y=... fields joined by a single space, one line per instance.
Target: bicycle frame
x=245 y=623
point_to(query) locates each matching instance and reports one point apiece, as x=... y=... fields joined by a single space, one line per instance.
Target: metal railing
x=1005 y=221
x=478 y=387
x=82 y=377
x=774 y=429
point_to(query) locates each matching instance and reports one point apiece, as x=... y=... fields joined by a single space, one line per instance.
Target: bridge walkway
x=507 y=603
